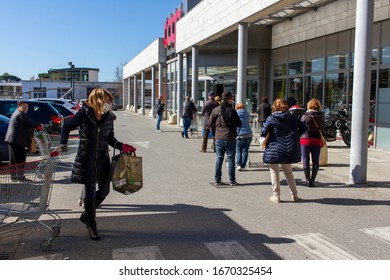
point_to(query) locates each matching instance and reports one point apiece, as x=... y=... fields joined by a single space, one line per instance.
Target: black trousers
x=17 y=153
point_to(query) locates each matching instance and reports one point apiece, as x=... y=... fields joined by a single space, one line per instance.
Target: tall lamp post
x=71 y=78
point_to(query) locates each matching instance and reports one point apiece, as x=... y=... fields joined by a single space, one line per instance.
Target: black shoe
x=93 y=233
x=219 y=183
x=234 y=183
x=182 y=134
x=202 y=151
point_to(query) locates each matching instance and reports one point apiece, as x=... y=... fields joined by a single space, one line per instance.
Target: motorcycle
x=337 y=121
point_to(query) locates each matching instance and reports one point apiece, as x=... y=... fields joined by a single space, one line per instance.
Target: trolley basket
x=25 y=191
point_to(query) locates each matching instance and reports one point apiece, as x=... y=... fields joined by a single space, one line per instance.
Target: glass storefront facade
x=329 y=78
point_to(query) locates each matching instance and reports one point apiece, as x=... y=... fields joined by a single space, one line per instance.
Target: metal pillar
x=135 y=93
x=179 y=87
x=242 y=62
x=143 y=93
x=361 y=92
x=153 y=90
x=195 y=80
x=129 y=92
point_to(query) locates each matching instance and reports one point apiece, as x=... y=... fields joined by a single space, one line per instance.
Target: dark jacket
x=189 y=109
x=208 y=107
x=310 y=118
x=263 y=111
x=285 y=130
x=18 y=129
x=159 y=107
x=92 y=161
x=224 y=121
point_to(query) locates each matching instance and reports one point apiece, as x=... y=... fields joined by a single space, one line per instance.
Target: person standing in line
x=283 y=147
x=189 y=109
x=159 y=109
x=263 y=111
x=311 y=141
x=17 y=135
x=244 y=137
x=96 y=128
x=224 y=121
x=208 y=107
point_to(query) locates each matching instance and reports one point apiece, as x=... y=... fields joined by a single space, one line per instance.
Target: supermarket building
x=274 y=48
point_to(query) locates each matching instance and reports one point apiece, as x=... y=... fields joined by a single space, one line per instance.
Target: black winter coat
x=284 y=145
x=92 y=162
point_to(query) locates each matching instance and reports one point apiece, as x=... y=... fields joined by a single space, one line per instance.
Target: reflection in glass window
x=295 y=68
x=384 y=78
x=313 y=88
x=335 y=91
x=295 y=89
x=279 y=88
x=386 y=55
x=315 y=65
x=280 y=70
x=336 y=62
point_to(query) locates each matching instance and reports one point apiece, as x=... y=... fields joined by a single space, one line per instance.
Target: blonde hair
x=97 y=98
x=279 y=105
x=240 y=106
x=314 y=104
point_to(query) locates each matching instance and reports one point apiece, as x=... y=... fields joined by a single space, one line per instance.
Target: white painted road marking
x=137 y=253
x=319 y=247
x=232 y=250
x=381 y=233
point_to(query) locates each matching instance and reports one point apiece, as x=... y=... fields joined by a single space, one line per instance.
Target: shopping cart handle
x=54 y=154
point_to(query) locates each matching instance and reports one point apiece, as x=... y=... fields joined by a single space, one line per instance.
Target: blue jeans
x=314 y=151
x=222 y=147
x=159 y=116
x=242 y=149
x=186 y=126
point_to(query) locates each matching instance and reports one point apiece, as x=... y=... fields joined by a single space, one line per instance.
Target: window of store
x=385 y=55
x=335 y=91
x=336 y=62
x=314 y=85
x=315 y=65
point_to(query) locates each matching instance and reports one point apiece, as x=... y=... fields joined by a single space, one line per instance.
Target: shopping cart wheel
x=56 y=230
x=46 y=244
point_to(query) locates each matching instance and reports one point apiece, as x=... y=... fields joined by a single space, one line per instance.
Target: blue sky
x=41 y=34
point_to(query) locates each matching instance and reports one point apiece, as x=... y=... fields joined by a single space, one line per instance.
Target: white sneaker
x=239 y=168
x=158 y=130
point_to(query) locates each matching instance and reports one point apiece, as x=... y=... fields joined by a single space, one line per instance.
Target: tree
x=9 y=78
x=119 y=72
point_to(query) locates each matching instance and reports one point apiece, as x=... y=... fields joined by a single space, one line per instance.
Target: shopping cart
x=194 y=126
x=25 y=191
x=47 y=143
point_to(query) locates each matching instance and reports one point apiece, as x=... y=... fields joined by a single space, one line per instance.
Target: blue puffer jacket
x=245 y=129
x=285 y=130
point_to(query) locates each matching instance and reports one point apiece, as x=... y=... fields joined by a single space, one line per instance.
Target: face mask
x=106 y=107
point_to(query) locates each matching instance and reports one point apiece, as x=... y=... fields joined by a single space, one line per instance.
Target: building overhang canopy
x=152 y=55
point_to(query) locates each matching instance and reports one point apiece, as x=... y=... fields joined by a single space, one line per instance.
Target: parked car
x=39 y=112
x=68 y=103
x=65 y=112
x=81 y=102
x=4 y=122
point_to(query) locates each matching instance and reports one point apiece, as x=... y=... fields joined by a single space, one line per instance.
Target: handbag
x=323 y=161
x=126 y=173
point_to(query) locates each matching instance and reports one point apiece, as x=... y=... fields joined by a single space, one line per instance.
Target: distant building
x=78 y=74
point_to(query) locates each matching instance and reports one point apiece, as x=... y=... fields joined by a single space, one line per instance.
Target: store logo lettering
x=170 y=29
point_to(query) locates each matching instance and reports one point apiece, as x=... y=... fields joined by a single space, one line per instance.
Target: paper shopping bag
x=127 y=173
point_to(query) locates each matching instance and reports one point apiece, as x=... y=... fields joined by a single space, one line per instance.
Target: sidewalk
x=337 y=172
